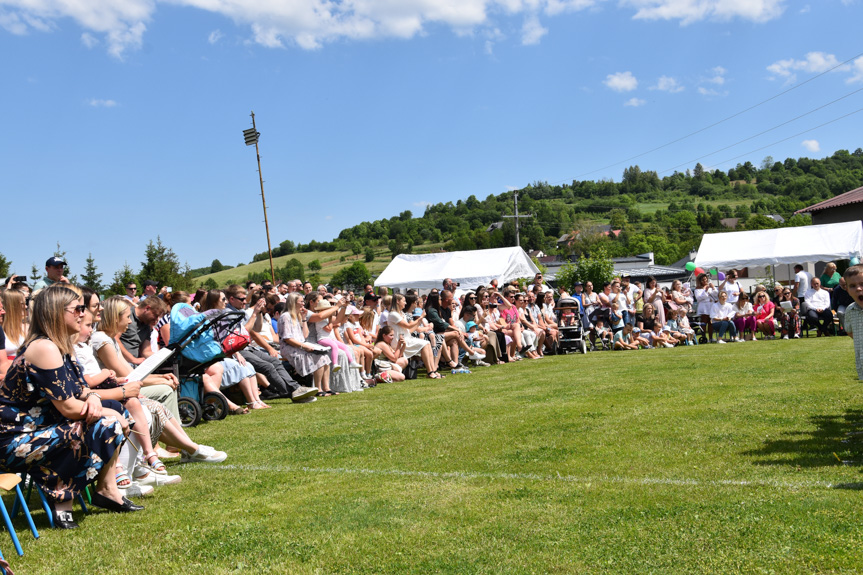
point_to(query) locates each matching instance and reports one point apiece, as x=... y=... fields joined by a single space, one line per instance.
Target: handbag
x=235 y=342
x=411 y=370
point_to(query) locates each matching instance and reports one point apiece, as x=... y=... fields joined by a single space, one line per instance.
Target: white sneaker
x=784 y=337
x=136 y=489
x=155 y=480
x=205 y=453
x=721 y=341
x=355 y=365
x=337 y=368
x=668 y=344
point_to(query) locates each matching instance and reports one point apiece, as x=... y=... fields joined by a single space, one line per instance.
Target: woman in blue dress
x=52 y=427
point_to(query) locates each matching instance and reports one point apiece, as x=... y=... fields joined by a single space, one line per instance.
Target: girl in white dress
x=402 y=330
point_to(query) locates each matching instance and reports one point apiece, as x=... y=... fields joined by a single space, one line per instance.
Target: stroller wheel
x=190 y=412
x=215 y=406
x=583 y=347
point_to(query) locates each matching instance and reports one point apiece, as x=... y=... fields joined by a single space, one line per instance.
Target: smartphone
x=20 y=279
x=170 y=289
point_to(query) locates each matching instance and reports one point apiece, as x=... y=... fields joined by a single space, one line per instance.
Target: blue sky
x=123 y=119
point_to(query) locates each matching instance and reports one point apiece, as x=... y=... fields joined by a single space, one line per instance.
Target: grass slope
x=330 y=264
x=715 y=459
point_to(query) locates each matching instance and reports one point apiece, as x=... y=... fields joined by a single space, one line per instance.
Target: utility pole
x=251 y=137
x=517 y=216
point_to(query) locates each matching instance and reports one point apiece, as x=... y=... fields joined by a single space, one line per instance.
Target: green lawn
x=714 y=459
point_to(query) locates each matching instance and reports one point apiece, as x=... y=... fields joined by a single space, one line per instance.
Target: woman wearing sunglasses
x=52 y=426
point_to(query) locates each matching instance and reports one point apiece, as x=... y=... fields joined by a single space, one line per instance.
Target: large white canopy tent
x=733 y=250
x=470 y=268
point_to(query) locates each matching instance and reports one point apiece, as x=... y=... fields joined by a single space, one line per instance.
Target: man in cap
x=54 y=269
x=150 y=289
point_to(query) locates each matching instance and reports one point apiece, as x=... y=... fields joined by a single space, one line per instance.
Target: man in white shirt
x=818 y=311
x=632 y=293
x=802 y=281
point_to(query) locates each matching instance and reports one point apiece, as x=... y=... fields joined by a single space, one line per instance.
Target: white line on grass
x=794 y=485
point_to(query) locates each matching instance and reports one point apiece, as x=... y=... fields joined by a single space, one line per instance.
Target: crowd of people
x=70 y=415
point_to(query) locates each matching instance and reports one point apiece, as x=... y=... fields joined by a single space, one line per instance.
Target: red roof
x=852 y=197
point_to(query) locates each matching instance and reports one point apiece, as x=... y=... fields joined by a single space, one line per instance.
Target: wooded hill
x=665 y=215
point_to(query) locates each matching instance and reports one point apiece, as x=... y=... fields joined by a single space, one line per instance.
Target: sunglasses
x=77 y=309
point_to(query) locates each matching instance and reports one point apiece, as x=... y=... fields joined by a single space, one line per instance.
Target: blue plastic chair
x=44 y=501
x=9 y=482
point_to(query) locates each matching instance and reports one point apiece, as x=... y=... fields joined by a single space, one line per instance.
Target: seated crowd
x=70 y=416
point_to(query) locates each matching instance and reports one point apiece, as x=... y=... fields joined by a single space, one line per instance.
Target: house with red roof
x=846 y=207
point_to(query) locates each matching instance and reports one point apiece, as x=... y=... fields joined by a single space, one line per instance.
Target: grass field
x=714 y=459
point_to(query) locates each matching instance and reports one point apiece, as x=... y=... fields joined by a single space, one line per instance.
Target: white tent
x=470 y=269
x=781 y=246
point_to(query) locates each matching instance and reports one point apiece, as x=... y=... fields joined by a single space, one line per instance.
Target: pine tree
x=91 y=278
x=161 y=265
x=35 y=274
x=4 y=266
x=59 y=253
x=122 y=278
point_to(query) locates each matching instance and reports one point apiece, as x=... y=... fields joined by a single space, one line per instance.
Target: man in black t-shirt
x=136 y=339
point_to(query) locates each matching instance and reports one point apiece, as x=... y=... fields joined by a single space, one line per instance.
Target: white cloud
x=811 y=145
x=635 y=102
x=718 y=76
x=310 y=24
x=89 y=40
x=813 y=63
x=806 y=9
x=667 y=84
x=709 y=85
x=101 y=103
x=328 y=217
x=621 y=82
x=856 y=71
x=710 y=92
x=215 y=36
x=532 y=31
x=689 y=11
x=422 y=204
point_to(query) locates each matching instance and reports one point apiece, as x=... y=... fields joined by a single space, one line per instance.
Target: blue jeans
x=720 y=327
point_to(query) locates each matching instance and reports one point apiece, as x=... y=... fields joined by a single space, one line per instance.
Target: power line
x=713 y=125
x=689 y=163
x=858 y=110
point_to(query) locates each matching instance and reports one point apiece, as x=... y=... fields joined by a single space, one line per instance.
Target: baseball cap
x=151 y=283
x=54 y=261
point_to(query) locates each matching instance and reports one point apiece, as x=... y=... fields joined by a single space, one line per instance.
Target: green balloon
x=714 y=271
x=690 y=266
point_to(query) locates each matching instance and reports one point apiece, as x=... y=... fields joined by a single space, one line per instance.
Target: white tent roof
x=781 y=246
x=470 y=269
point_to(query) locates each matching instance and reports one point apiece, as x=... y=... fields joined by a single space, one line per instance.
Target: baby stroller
x=199 y=340
x=570 y=327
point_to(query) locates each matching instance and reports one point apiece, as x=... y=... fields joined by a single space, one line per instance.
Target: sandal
x=239 y=411
x=155 y=466
x=123 y=479
x=260 y=404
x=434 y=375
x=320 y=394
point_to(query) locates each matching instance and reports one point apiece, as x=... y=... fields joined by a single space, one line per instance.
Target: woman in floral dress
x=51 y=426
